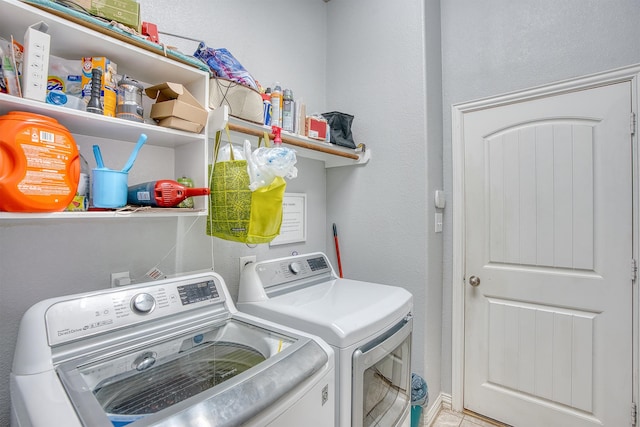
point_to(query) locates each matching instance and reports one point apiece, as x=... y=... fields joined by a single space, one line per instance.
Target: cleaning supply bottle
x=277 y=135
x=276 y=105
x=266 y=109
x=39 y=163
x=81 y=200
x=287 y=110
x=187 y=182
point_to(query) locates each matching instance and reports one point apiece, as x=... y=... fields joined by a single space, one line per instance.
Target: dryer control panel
x=294 y=269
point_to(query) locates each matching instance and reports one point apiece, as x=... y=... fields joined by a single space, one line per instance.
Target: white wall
x=367 y=58
x=45 y=258
x=497 y=46
x=383 y=66
x=278 y=40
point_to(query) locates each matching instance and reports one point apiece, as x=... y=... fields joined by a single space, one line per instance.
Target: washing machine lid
x=342 y=312
x=221 y=375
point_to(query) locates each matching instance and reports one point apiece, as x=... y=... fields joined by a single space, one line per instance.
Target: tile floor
x=449 y=418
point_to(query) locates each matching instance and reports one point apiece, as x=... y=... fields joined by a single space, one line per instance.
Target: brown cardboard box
x=174 y=101
x=176 y=123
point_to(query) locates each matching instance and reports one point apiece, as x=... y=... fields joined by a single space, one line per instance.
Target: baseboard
x=443 y=401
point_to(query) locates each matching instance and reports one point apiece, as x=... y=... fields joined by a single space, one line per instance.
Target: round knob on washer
x=295 y=267
x=143 y=303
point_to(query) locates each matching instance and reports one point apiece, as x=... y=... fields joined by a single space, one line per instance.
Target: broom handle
x=335 y=239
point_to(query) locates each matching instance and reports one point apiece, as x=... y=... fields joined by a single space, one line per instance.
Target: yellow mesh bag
x=235 y=212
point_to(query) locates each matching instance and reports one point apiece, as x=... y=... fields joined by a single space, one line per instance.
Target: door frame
x=625 y=74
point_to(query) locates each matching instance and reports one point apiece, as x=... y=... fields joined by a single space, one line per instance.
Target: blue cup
x=109 y=188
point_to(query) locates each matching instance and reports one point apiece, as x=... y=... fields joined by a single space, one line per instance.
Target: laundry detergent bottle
x=39 y=164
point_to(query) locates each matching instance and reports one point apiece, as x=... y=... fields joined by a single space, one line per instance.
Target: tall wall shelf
x=331 y=154
x=177 y=153
x=167 y=153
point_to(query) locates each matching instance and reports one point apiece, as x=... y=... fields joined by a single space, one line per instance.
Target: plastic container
x=266 y=109
x=287 y=110
x=57 y=97
x=188 y=202
x=109 y=189
x=276 y=106
x=39 y=164
x=419 y=398
x=129 y=100
x=81 y=200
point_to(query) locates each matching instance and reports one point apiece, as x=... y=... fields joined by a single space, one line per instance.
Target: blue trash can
x=419 y=398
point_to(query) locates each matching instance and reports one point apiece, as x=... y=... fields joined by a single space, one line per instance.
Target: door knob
x=474 y=281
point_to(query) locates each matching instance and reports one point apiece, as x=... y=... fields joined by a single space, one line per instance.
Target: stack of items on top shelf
x=176 y=108
x=233 y=85
x=126 y=12
x=28 y=70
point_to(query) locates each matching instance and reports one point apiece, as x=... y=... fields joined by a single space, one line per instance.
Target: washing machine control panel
x=143 y=303
x=102 y=311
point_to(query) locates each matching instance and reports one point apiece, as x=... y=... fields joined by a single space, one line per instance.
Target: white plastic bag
x=224 y=153
x=265 y=163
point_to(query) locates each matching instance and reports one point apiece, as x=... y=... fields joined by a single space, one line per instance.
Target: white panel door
x=548 y=235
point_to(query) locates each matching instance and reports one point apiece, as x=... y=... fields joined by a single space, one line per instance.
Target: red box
x=316 y=128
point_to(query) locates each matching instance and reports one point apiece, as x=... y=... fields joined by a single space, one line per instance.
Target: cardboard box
x=109 y=87
x=316 y=128
x=35 y=68
x=126 y=12
x=174 y=101
x=180 y=124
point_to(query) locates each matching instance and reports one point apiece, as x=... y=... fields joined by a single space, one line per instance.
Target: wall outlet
x=244 y=260
x=120 y=279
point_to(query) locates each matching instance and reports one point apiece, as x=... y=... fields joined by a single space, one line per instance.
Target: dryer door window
x=382 y=378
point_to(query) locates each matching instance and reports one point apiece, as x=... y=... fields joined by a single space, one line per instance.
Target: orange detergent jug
x=39 y=164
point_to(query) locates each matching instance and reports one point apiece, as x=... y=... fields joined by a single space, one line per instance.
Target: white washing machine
x=368 y=325
x=169 y=353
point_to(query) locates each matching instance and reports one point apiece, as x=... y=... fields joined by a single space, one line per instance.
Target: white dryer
x=174 y=352
x=369 y=326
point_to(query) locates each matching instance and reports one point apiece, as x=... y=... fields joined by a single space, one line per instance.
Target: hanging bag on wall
x=235 y=212
x=340 y=125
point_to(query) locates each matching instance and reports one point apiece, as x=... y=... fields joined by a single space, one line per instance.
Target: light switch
x=439 y=199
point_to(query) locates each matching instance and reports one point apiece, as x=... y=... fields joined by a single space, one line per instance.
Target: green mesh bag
x=235 y=212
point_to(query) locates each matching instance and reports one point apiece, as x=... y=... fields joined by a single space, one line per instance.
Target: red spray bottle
x=277 y=132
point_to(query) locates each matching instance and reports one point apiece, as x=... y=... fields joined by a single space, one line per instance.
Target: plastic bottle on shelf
x=288 y=110
x=81 y=200
x=188 y=202
x=40 y=163
x=276 y=105
x=266 y=109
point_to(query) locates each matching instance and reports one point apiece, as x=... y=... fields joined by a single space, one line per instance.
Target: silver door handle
x=474 y=281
